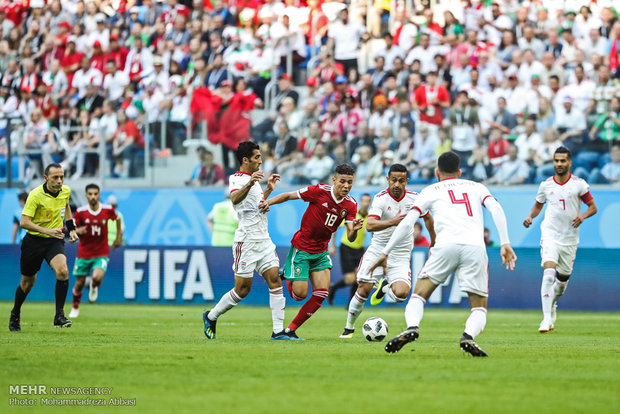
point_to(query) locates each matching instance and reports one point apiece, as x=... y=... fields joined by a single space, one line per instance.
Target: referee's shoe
x=61 y=322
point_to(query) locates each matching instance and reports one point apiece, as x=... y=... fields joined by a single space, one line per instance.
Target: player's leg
x=319 y=265
x=32 y=255
x=77 y=295
x=230 y=299
x=269 y=266
x=549 y=254
x=59 y=265
x=100 y=265
x=564 y=269
x=399 y=278
x=473 y=278
x=356 y=305
x=296 y=272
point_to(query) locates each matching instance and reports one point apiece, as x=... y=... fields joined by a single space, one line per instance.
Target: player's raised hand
x=381 y=262
x=56 y=233
x=398 y=217
x=263 y=206
x=527 y=222
x=73 y=236
x=508 y=256
x=358 y=224
x=257 y=176
x=271 y=182
x=577 y=221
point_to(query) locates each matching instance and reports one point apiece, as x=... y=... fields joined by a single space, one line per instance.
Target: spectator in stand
x=92 y=101
x=285 y=88
x=381 y=116
x=570 y=123
x=345 y=37
x=529 y=142
x=206 y=172
x=431 y=100
x=512 y=171
x=419 y=240
x=465 y=122
x=610 y=173
x=608 y=123
x=349 y=118
x=320 y=166
x=361 y=138
x=424 y=154
x=139 y=62
x=497 y=147
x=479 y=164
x=543 y=158
x=127 y=142
x=114 y=82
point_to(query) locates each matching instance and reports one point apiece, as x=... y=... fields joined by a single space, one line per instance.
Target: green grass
x=159 y=356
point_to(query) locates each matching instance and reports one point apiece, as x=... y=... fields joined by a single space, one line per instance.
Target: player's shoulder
x=82 y=209
x=578 y=180
x=382 y=193
x=107 y=207
x=350 y=199
x=411 y=194
x=323 y=187
x=239 y=176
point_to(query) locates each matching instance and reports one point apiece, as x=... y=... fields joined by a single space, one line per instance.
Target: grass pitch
x=159 y=356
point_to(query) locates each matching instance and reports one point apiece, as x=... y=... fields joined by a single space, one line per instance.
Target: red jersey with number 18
x=95 y=242
x=322 y=217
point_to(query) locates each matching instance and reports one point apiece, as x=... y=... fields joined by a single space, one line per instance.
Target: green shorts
x=303 y=263
x=83 y=267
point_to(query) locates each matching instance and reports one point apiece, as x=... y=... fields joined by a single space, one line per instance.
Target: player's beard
x=561 y=171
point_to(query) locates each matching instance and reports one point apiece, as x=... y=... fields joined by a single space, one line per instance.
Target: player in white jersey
x=252 y=247
x=459 y=247
x=559 y=231
x=388 y=208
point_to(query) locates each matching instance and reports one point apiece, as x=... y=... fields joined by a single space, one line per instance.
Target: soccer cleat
x=379 y=294
x=347 y=334
x=293 y=336
x=75 y=312
x=209 y=325
x=471 y=347
x=280 y=336
x=14 y=325
x=554 y=314
x=93 y=292
x=545 y=326
x=61 y=322
x=395 y=344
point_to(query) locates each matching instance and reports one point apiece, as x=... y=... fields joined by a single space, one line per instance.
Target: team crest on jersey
x=298 y=271
x=343 y=213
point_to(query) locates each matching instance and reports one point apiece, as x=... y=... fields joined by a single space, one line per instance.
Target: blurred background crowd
x=97 y=83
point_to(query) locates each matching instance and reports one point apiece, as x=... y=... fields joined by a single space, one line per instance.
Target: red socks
x=307 y=310
x=77 y=298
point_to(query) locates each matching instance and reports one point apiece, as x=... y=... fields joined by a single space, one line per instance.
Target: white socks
x=546 y=292
x=558 y=289
x=228 y=301
x=476 y=322
x=355 y=308
x=414 y=310
x=277 y=304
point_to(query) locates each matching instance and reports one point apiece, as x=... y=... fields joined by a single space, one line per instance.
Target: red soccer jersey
x=95 y=242
x=322 y=217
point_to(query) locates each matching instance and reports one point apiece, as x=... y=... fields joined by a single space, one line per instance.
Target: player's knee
x=299 y=294
x=401 y=292
x=62 y=273
x=243 y=291
x=364 y=289
x=27 y=284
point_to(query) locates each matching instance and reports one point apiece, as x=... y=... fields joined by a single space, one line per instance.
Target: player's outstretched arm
x=588 y=213
x=280 y=198
x=239 y=195
x=499 y=218
x=271 y=185
x=535 y=211
x=404 y=229
x=429 y=223
x=374 y=224
x=353 y=227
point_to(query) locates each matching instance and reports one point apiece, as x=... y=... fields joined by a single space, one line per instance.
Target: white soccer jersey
x=252 y=223
x=563 y=205
x=456 y=206
x=386 y=207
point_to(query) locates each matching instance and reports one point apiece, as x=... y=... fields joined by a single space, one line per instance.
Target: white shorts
x=250 y=256
x=562 y=256
x=398 y=268
x=470 y=263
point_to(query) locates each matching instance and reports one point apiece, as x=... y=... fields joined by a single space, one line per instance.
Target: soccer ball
x=375 y=329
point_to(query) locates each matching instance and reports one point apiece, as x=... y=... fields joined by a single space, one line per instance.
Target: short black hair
x=23 y=196
x=397 y=168
x=91 y=186
x=50 y=166
x=245 y=150
x=564 y=150
x=345 y=169
x=449 y=163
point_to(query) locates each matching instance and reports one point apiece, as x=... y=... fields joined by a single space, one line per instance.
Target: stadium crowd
x=501 y=83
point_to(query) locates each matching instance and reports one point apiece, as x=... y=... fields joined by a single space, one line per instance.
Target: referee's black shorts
x=35 y=249
x=350 y=258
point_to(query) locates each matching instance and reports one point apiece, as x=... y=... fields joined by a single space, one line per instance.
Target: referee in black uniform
x=45 y=209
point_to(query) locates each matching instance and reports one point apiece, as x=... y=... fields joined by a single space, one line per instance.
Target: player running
x=559 y=230
x=456 y=206
x=308 y=257
x=252 y=246
x=91 y=222
x=389 y=207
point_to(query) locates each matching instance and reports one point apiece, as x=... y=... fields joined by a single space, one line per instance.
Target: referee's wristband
x=70 y=224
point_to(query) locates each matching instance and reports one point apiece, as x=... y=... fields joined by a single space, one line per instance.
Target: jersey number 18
x=330 y=219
